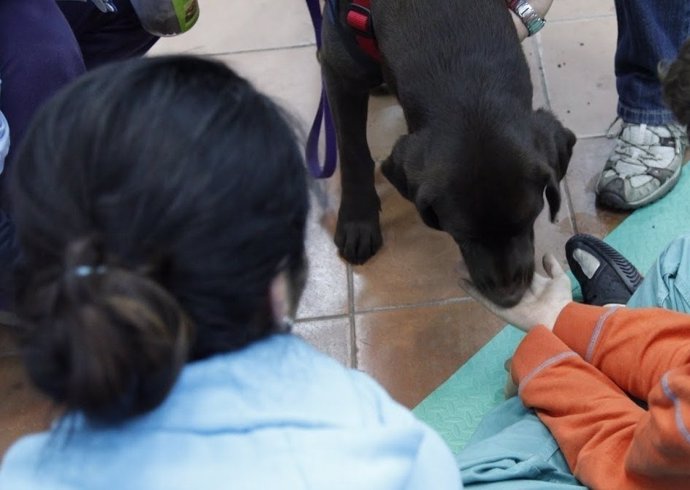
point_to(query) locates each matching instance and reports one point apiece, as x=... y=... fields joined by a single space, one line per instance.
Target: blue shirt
x=275 y=415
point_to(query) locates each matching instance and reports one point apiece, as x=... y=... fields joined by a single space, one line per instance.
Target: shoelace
x=625 y=149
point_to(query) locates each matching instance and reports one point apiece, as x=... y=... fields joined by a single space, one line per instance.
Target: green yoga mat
x=455 y=408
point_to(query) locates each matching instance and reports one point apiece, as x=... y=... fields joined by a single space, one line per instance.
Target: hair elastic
x=87 y=270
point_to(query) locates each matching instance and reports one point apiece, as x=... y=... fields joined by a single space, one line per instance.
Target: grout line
x=351 y=316
x=409 y=306
x=571 y=206
x=569 y=20
x=542 y=71
x=591 y=136
x=259 y=50
x=307 y=319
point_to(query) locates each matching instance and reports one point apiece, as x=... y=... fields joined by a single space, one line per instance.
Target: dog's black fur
x=477 y=160
x=676 y=84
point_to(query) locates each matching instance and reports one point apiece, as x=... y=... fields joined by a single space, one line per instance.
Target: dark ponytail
x=150 y=196
x=103 y=339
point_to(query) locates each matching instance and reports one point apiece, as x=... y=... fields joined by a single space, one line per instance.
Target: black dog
x=477 y=160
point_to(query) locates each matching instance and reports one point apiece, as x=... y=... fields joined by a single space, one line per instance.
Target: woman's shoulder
x=279 y=397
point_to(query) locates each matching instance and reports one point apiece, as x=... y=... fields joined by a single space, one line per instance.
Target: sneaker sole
x=612 y=200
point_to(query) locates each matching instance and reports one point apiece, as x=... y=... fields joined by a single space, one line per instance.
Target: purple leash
x=323 y=114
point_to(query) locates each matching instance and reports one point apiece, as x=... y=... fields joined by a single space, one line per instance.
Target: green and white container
x=167 y=17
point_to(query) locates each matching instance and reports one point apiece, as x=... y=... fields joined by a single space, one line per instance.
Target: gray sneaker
x=644 y=165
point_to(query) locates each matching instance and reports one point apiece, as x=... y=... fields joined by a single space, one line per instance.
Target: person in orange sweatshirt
x=611 y=383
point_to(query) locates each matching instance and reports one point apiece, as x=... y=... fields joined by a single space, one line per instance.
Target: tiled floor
x=400 y=317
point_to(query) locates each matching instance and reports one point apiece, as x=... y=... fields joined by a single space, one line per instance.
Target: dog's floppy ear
x=404 y=168
x=553 y=197
x=554 y=141
x=555 y=144
x=424 y=202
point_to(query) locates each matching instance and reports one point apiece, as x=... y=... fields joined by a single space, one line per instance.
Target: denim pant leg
x=44 y=45
x=648 y=31
x=38 y=55
x=667 y=284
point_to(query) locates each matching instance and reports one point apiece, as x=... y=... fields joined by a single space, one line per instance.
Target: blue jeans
x=648 y=31
x=512 y=449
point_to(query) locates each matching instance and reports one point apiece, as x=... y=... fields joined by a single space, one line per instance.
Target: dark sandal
x=613 y=282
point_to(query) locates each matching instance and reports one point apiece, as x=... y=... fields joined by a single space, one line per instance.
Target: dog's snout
x=506 y=290
x=523 y=276
x=505 y=296
x=510 y=297
x=501 y=274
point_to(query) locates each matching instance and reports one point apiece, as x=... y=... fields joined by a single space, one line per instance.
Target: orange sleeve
x=651 y=341
x=608 y=441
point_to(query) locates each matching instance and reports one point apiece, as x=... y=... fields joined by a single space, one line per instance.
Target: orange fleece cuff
x=576 y=324
x=539 y=346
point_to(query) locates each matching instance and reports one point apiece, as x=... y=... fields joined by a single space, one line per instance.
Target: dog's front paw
x=358 y=241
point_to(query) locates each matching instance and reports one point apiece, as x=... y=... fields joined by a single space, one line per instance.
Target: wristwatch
x=529 y=17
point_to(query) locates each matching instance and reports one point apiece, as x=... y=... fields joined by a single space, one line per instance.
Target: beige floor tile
x=226 y=26
x=385 y=125
x=326 y=291
x=412 y=351
x=551 y=237
x=290 y=76
x=531 y=49
x=578 y=68
x=578 y=9
x=332 y=336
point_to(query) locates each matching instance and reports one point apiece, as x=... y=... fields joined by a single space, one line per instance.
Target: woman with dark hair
x=161 y=205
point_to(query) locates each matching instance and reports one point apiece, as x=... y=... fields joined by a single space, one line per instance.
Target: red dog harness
x=359 y=20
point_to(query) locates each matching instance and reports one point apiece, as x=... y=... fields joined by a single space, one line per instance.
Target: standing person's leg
x=38 y=55
x=105 y=37
x=646 y=162
x=44 y=45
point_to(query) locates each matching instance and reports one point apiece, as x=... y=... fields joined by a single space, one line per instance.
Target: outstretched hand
x=542 y=302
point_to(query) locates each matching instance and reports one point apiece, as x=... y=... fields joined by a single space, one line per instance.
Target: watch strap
x=529 y=17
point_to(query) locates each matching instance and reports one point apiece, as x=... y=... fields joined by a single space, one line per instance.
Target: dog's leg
x=358 y=233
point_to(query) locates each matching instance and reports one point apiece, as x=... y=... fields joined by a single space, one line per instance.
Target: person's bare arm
x=540 y=6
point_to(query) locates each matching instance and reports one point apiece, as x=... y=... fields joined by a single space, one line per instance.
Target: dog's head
x=485 y=186
x=675 y=79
